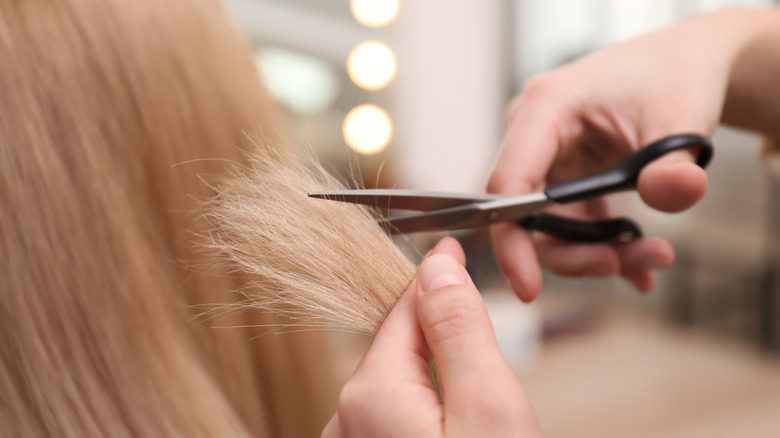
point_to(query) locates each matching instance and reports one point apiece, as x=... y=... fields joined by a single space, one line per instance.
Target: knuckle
x=498 y=182
x=535 y=89
x=539 y=87
x=501 y=412
x=452 y=318
x=352 y=402
x=504 y=181
x=512 y=109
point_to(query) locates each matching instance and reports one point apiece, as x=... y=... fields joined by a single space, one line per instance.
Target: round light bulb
x=371 y=65
x=367 y=129
x=374 y=13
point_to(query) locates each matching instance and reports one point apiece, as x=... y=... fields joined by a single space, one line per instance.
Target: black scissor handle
x=580 y=231
x=624 y=175
x=621 y=177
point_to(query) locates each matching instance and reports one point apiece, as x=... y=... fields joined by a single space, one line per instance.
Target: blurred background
x=411 y=94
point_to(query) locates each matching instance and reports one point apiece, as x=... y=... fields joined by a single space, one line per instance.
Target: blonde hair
x=322 y=264
x=111 y=112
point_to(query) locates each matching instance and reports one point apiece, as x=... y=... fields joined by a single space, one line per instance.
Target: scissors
x=453 y=211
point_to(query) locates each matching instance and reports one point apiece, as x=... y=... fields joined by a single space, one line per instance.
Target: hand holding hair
x=440 y=316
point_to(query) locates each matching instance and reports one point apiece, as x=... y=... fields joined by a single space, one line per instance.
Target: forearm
x=753 y=94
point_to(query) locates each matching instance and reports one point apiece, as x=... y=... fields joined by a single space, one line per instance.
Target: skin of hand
x=594 y=112
x=442 y=317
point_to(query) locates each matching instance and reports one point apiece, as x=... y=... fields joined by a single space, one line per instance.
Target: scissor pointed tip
x=325 y=194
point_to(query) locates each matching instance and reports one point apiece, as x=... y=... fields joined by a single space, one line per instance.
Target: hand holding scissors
x=452 y=211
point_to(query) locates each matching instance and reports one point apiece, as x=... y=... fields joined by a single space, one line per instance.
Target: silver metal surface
x=405 y=199
x=504 y=209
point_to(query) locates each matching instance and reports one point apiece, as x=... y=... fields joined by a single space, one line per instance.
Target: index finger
x=394 y=372
x=530 y=147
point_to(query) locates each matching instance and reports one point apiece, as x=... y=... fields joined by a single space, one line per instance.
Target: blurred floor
x=632 y=376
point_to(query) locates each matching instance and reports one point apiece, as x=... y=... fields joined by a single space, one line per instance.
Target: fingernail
x=439 y=271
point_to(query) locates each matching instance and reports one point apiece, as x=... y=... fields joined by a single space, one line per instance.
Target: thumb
x=673 y=182
x=475 y=376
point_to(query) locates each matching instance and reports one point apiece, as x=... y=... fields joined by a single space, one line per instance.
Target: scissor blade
x=469 y=216
x=404 y=199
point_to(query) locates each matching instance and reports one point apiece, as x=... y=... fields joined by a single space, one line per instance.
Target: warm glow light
x=371 y=65
x=302 y=83
x=367 y=129
x=374 y=13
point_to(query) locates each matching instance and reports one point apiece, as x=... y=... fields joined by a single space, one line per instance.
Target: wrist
x=753 y=91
